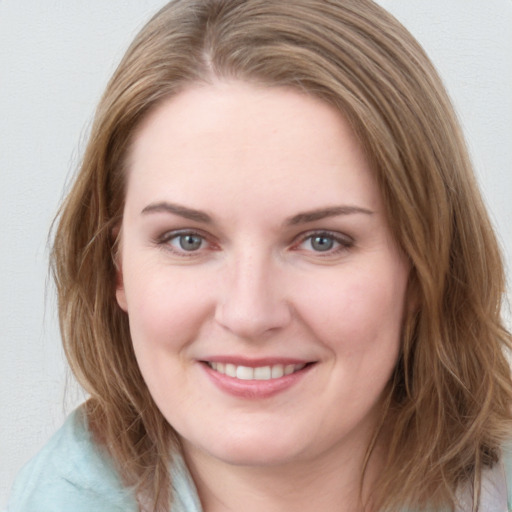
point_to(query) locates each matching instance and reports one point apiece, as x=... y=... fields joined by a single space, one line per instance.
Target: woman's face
x=263 y=287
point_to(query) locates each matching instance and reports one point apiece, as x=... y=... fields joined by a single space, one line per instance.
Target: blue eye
x=188 y=242
x=322 y=243
x=325 y=242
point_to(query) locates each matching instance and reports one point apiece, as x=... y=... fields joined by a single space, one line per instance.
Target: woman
x=276 y=277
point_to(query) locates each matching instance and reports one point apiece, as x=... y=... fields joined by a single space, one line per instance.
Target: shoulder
x=186 y=498
x=507 y=464
x=496 y=486
x=496 y=490
x=70 y=473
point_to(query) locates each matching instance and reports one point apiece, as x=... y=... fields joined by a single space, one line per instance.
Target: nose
x=252 y=300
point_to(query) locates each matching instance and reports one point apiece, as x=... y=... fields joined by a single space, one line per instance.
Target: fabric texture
x=71 y=474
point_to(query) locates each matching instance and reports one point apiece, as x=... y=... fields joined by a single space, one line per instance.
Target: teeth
x=230 y=370
x=262 y=373
x=259 y=373
x=244 y=373
x=277 y=371
x=288 y=369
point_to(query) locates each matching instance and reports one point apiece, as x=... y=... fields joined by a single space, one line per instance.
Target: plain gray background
x=55 y=59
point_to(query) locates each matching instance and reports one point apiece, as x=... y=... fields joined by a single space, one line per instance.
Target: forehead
x=230 y=139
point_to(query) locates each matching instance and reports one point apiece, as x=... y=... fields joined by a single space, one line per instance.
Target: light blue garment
x=71 y=474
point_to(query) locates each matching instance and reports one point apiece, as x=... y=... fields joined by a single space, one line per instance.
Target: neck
x=330 y=482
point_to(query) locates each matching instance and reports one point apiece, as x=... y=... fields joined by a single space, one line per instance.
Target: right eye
x=187 y=242
x=183 y=243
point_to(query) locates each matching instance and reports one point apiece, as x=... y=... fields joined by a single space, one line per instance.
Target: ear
x=118 y=265
x=120 y=291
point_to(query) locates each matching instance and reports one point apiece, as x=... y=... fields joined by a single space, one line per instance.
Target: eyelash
x=166 y=239
x=344 y=242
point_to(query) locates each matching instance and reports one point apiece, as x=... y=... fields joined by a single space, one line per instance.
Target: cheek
x=357 y=311
x=165 y=306
x=166 y=310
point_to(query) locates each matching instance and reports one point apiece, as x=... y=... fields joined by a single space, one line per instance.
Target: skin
x=253 y=160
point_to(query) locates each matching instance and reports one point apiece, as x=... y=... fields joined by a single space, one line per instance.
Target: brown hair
x=448 y=406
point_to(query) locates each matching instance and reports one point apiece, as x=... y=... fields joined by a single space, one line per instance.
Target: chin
x=253 y=450
x=255 y=456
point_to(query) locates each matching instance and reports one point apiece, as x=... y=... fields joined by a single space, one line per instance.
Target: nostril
x=252 y=318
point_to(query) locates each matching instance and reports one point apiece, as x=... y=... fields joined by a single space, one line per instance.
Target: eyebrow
x=300 y=218
x=322 y=213
x=176 y=209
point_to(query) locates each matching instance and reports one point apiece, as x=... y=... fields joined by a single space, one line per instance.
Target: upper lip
x=255 y=362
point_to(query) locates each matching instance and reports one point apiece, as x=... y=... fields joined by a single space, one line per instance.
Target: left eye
x=321 y=243
x=325 y=242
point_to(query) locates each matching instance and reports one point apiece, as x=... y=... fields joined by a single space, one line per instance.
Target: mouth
x=268 y=372
x=255 y=379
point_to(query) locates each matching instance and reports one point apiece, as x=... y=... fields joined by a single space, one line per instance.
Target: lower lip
x=255 y=389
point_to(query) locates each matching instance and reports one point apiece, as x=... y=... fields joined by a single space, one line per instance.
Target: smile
x=258 y=373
